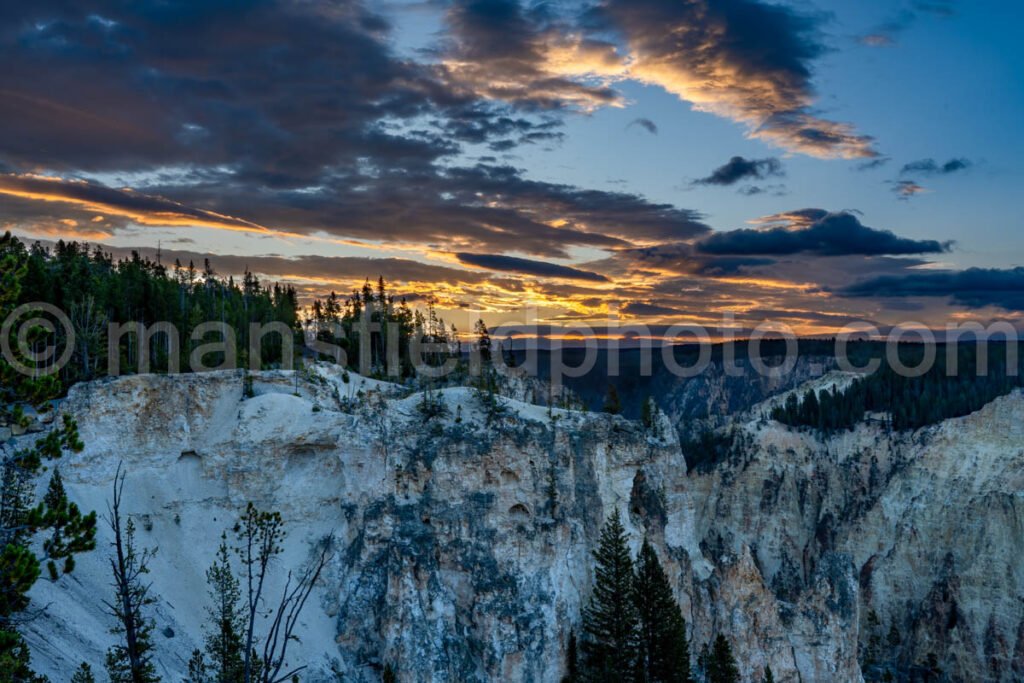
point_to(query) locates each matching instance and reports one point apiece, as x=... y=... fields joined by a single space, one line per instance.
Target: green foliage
x=431 y=405
x=83 y=674
x=483 y=341
x=395 y=334
x=647 y=413
x=769 y=677
x=64 y=529
x=71 y=532
x=486 y=391
x=14 y=659
x=225 y=621
x=721 y=665
x=612 y=404
x=708 y=447
x=910 y=402
x=389 y=675
x=93 y=290
x=664 y=653
x=611 y=621
x=572 y=661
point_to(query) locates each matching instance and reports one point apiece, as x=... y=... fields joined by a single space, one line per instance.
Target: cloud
x=885 y=34
x=974 y=287
x=639 y=308
x=527 y=267
x=907 y=189
x=504 y=51
x=831 y=234
x=872 y=164
x=738 y=168
x=648 y=125
x=931 y=167
x=141 y=208
x=745 y=60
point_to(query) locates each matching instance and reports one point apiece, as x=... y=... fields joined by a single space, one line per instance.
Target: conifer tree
x=572 y=661
x=20 y=525
x=722 y=667
x=610 y=621
x=71 y=531
x=664 y=654
x=197 y=671
x=611 y=401
x=83 y=674
x=483 y=341
x=769 y=677
x=389 y=675
x=226 y=623
x=647 y=413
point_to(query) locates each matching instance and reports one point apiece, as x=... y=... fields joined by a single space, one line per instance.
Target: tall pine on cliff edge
x=664 y=655
x=611 y=622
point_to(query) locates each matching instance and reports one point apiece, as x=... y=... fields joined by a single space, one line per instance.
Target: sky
x=808 y=163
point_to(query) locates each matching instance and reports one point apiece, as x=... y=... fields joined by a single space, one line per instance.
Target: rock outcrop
x=462 y=541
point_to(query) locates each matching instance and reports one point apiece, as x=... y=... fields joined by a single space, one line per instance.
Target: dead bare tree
x=260 y=535
x=286 y=616
x=131 y=660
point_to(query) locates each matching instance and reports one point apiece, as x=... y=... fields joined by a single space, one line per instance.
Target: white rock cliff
x=462 y=548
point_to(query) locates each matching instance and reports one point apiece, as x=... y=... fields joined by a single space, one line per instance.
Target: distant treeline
x=173 y=301
x=93 y=289
x=376 y=332
x=954 y=386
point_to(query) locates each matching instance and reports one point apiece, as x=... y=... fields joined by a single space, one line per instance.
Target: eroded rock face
x=931 y=522
x=463 y=544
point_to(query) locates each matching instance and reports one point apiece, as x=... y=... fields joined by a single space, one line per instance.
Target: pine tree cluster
x=910 y=402
x=633 y=629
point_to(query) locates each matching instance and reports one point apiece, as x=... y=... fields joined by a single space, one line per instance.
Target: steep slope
x=463 y=548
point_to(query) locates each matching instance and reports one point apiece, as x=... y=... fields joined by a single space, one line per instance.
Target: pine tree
x=610 y=621
x=769 y=677
x=611 y=401
x=197 y=670
x=647 y=413
x=20 y=525
x=483 y=341
x=71 y=531
x=572 y=661
x=722 y=667
x=664 y=654
x=388 y=675
x=226 y=623
x=83 y=674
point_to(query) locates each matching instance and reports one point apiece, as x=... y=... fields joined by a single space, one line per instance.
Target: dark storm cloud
x=744 y=59
x=648 y=125
x=974 y=287
x=527 y=267
x=738 y=168
x=484 y=208
x=220 y=109
x=276 y=90
x=680 y=258
x=931 y=167
x=834 y=234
